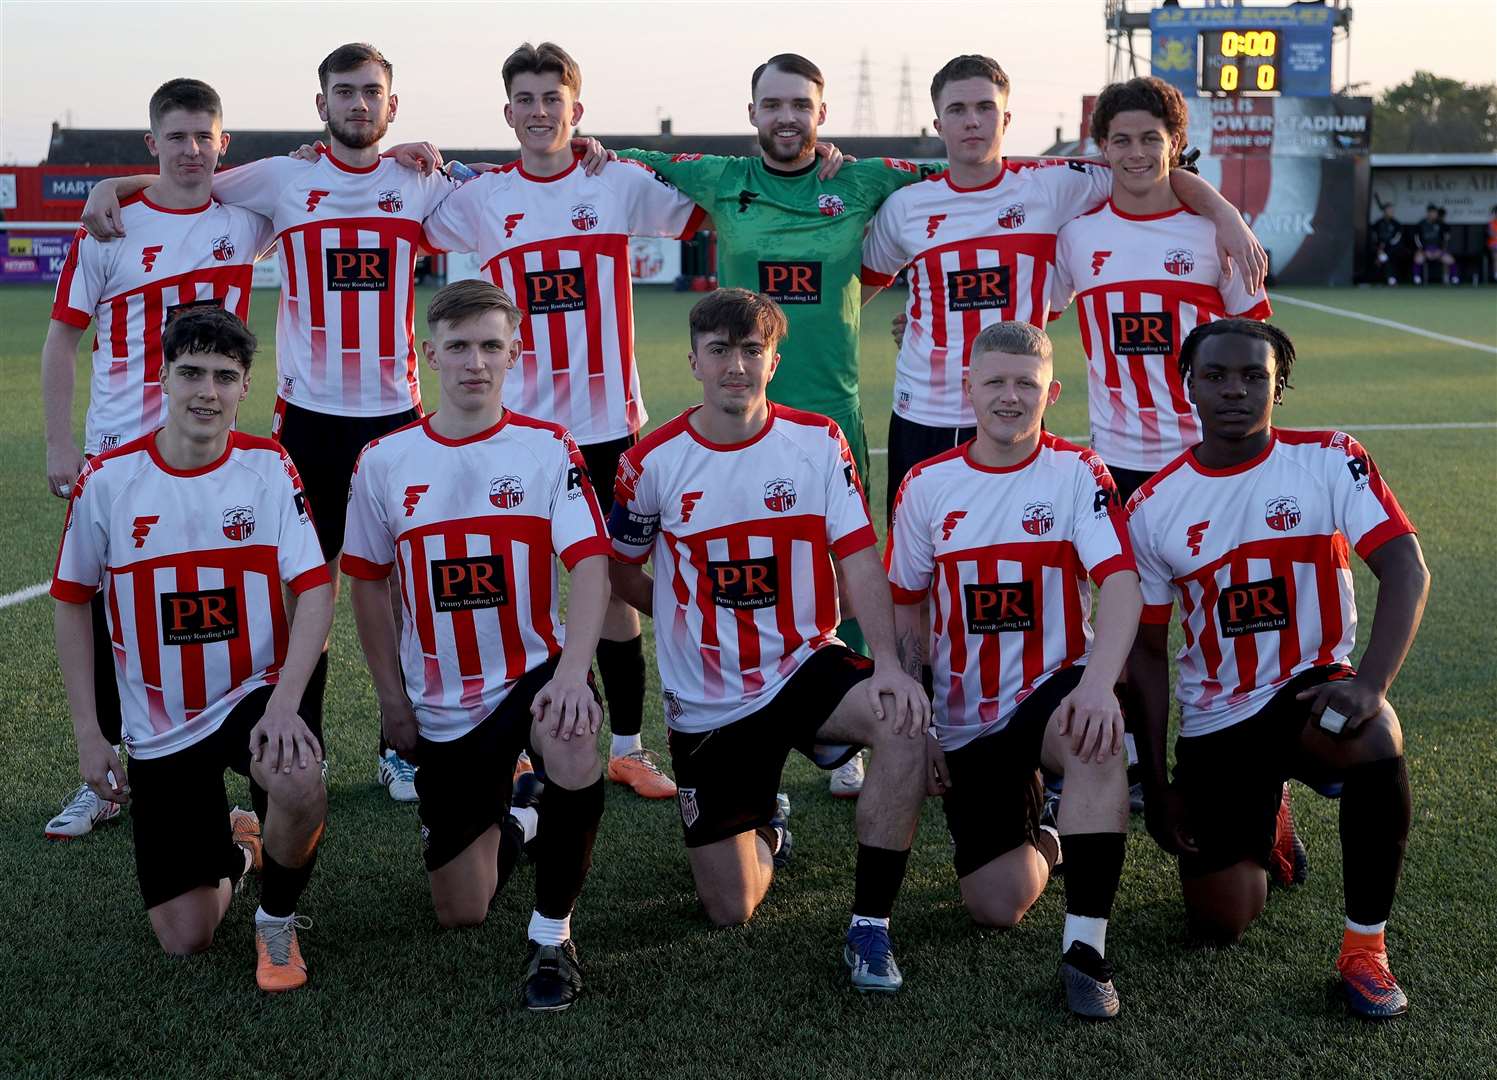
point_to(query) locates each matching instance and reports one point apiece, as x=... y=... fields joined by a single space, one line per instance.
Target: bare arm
x=101 y=213
x=281 y=732
x=909 y=637
x=1403 y=587
x=868 y=589
x=381 y=641
x=633 y=586
x=1235 y=242
x=1149 y=672
x=59 y=358
x=566 y=705
x=1090 y=714
x=97 y=762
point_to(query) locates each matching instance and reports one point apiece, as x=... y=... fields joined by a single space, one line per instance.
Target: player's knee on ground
x=724 y=909
x=454 y=912
x=183 y=933
x=1000 y=892
x=1220 y=907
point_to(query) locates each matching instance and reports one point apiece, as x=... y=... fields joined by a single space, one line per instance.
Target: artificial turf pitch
x=87 y=991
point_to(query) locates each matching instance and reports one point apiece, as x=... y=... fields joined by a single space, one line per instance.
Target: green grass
x=87 y=991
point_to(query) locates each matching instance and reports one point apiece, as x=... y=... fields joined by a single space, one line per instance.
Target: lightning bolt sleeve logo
x=142 y=529
x=413 y=496
x=1195 y=534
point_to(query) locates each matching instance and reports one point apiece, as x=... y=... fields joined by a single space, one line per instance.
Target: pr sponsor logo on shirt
x=1006 y=607
x=745 y=583
x=1143 y=333
x=506 y=492
x=550 y=291
x=791 y=282
x=466 y=584
x=198 y=618
x=239 y=523
x=985 y=288
x=358 y=269
x=1256 y=607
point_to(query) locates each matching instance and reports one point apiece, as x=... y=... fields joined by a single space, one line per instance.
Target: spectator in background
x=1387 y=246
x=1432 y=244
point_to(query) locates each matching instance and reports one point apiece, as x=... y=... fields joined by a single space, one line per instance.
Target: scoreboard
x=1242 y=49
x=1238 y=61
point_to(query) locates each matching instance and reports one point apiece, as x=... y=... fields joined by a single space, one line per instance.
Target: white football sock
x=1085 y=928
x=1131 y=747
x=868 y=919
x=544 y=931
x=529 y=820
x=626 y=744
x=262 y=919
x=1372 y=928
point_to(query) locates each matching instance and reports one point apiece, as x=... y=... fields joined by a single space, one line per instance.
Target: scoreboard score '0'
x=1239 y=62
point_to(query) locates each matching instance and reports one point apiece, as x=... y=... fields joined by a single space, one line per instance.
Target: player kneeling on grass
x=1251 y=531
x=1000 y=535
x=475 y=505
x=191 y=531
x=742 y=504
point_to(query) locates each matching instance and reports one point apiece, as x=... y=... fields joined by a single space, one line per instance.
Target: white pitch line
x=20 y=596
x=1279 y=298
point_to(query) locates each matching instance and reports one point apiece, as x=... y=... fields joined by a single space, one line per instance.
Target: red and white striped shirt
x=1004 y=555
x=191 y=564
x=976 y=256
x=559 y=245
x=1142 y=283
x=741 y=537
x=473 y=525
x=1258 y=557
x=347 y=240
x=131 y=287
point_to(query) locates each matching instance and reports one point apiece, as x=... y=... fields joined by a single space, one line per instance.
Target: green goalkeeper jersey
x=799 y=240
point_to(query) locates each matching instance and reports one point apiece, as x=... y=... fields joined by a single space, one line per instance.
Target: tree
x=1433 y=115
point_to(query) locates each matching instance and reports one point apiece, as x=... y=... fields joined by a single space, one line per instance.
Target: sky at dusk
x=95 y=65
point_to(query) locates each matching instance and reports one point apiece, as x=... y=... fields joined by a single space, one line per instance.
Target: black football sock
x=511 y=843
x=1376 y=809
x=106 y=688
x=622 y=667
x=569 y=826
x=876 y=881
x=281 y=886
x=1094 y=866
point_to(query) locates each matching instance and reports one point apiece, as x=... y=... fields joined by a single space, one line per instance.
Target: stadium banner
x=34 y=258
x=1468 y=193
x=1303 y=54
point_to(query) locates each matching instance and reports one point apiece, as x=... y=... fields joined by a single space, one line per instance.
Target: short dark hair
x=795 y=64
x=464 y=299
x=347 y=57
x=188 y=95
x=1143 y=94
x=208 y=329
x=739 y=313
x=1278 y=341
x=969 y=66
x=545 y=58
